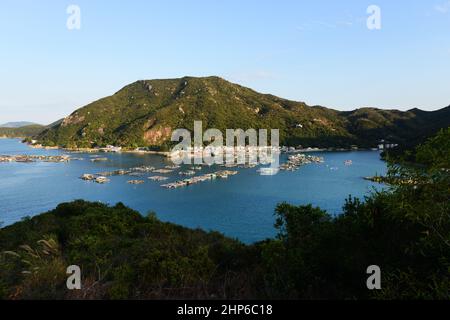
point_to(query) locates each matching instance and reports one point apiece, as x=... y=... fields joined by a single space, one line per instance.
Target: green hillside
x=21 y=132
x=17 y=124
x=407 y=128
x=145 y=113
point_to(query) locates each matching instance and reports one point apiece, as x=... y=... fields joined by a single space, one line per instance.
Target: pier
x=224 y=174
x=34 y=158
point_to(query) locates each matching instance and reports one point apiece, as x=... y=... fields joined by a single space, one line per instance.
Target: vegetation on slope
x=21 y=132
x=405 y=231
x=145 y=113
x=17 y=124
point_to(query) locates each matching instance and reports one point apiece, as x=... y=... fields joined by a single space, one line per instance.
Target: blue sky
x=320 y=51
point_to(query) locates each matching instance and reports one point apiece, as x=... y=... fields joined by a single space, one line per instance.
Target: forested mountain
x=144 y=114
x=17 y=124
x=21 y=132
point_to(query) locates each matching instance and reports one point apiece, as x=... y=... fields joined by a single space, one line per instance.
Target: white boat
x=268 y=171
x=101 y=179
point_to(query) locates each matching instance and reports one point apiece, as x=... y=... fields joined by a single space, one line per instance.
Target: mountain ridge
x=145 y=113
x=21 y=132
x=17 y=124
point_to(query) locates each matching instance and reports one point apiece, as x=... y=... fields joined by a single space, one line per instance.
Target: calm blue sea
x=241 y=207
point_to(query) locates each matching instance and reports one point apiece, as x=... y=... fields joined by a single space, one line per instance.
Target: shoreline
x=6 y=137
x=94 y=150
x=167 y=154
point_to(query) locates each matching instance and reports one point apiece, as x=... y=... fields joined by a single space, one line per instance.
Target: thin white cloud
x=325 y=24
x=443 y=7
x=312 y=25
x=348 y=22
x=345 y=23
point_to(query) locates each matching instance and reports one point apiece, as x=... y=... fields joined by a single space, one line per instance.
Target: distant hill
x=146 y=112
x=21 y=132
x=16 y=124
x=406 y=128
